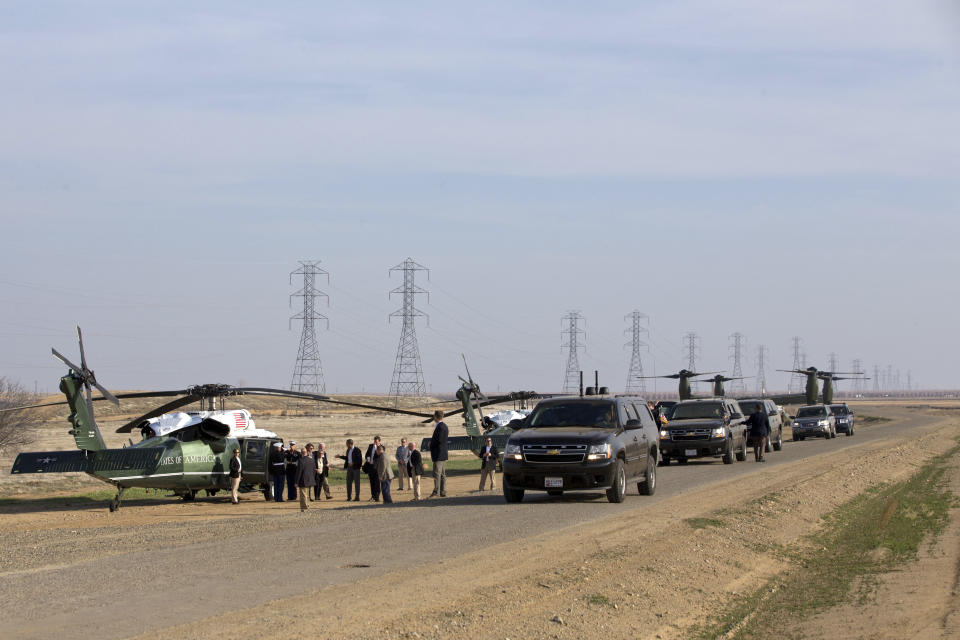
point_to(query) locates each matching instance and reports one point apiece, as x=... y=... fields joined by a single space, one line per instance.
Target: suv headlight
x=512 y=452
x=664 y=434
x=719 y=432
x=599 y=451
x=824 y=423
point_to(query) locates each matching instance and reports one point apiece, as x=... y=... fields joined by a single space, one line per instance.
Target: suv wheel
x=742 y=454
x=512 y=495
x=649 y=485
x=849 y=431
x=619 y=488
x=779 y=443
x=665 y=461
x=728 y=456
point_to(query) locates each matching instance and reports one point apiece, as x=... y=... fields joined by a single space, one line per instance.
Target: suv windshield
x=811 y=412
x=574 y=414
x=684 y=411
x=840 y=409
x=749 y=407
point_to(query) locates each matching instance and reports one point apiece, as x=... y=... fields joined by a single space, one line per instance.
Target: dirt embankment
x=653 y=573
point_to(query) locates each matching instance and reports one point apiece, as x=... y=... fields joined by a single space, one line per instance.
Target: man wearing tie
x=488 y=464
x=352 y=462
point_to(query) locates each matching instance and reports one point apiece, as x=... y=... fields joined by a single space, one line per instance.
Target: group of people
x=304 y=470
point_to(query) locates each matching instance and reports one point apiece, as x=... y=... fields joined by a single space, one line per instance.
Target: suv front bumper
x=811 y=430
x=530 y=476
x=693 y=448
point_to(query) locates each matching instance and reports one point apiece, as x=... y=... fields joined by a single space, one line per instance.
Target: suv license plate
x=553 y=483
x=690 y=453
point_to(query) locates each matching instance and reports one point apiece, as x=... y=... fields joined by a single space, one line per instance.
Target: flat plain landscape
x=669 y=566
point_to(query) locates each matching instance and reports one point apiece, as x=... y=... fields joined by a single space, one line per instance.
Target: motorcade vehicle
x=814 y=420
x=591 y=442
x=749 y=405
x=704 y=428
x=844 y=417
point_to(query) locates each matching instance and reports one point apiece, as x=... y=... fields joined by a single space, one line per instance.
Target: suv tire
x=619 y=488
x=649 y=485
x=512 y=495
x=742 y=454
x=665 y=461
x=728 y=456
x=779 y=443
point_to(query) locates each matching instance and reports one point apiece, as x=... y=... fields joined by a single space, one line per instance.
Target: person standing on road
x=352 y=463
x=403 y=457
x=488 y=464
x=371 y=470
x=438 y=455
x=322 y=463
x=415 y=469
x=235 y=468
x=384 y=473
x=277 y=470
x=759 y=430
x=306 y=476
x=292 y=459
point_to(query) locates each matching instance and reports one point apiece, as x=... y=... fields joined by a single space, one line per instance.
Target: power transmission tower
x=308 y=372
x=407 y=373
x=834 y=361
x=635 y=381
x=797 y=381
x=738 y=346
x=909 y=380
x=857 y=382
x=876 y=378
x=762 y=353
x=571 y=379
x=691 y=350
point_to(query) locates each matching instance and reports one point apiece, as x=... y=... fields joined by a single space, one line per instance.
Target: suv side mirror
x=633 y=424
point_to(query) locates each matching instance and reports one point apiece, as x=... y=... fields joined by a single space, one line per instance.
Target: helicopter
x=472 y=400
x=181 y=452
x=718 y=381
x=684 y=377
x=828 y=377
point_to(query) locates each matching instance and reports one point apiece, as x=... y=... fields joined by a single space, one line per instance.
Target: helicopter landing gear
x=115 y=503
x=189 y=495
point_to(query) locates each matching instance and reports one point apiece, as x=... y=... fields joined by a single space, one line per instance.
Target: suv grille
x=554 y=452
x=690 y=434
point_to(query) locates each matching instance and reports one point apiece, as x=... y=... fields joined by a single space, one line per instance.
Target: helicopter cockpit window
x=254 y=450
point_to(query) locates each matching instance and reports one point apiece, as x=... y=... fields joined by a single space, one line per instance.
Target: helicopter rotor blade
x=159 y=411
x=64 y=360
x=265 y=391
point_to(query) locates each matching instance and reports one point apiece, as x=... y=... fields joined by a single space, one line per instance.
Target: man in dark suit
x=292 y=458
x=488 y=464
x=235 y=468
x=438 y=455
x=352 y=463
x=306 y=476
x=278 y=473
x=369 y=466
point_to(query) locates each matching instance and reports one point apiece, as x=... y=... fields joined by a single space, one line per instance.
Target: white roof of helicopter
x=504 y=417
x=238 y=420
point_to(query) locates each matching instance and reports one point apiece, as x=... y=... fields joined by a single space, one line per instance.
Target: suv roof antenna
x=581 y=384
x=596 y=380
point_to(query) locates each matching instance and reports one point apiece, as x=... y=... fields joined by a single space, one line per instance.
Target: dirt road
x=470 y=564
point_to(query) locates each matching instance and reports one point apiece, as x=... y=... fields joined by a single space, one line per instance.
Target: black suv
x=703 y=428
x=844 y=416
x=590 y=442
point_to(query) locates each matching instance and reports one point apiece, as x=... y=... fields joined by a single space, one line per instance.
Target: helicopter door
x=253 y=457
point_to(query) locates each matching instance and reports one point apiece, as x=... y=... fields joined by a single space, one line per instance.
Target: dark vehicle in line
x=704 y=428
x=814 y=420
x=749 y=405
x=844 y=418
x=663 y=409
x=589 y=442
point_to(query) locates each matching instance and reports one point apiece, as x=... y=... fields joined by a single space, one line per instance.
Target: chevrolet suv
x=703 y=428
x=590 y=442
x=814 y=420
x=844 y=416
x=749 y=405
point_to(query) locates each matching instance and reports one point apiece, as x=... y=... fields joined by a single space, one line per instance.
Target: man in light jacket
x=403 y=457
x=384 y=472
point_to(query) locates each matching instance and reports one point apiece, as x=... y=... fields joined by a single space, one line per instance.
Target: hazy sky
x=769 y=168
